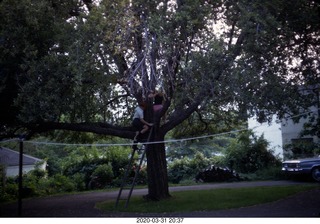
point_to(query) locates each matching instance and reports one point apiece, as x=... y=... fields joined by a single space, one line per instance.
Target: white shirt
x=138 y=113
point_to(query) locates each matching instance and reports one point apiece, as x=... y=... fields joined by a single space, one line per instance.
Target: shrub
x=30 y=184
x=178 y=170
x=270 y=173
x=79 y=181
x=101 y=176
x=59 y=183
x=249 y=154
x=199 y=162
x=9 y=191
x=186 y=168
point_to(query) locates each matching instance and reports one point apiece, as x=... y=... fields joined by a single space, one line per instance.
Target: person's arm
x=141 y=115
x=152 y=94
x=145 y=122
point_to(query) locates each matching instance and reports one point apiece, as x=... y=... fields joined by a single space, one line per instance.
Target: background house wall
x=293 y=139
x=10 y=160
x=292 y=130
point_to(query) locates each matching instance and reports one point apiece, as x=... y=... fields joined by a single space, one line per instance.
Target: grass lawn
x=207 y=200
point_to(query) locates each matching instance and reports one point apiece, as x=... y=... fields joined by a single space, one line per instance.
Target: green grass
x=206 y=200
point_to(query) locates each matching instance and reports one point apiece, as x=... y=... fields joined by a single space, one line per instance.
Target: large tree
x=83 y=66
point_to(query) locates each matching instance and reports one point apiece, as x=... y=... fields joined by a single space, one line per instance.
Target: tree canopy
x=87 y=61
x=83 y=65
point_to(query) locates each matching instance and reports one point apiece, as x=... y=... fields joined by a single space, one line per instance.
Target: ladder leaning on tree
x=135 y=149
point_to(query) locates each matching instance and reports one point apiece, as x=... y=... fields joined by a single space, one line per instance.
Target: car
x=306 y=166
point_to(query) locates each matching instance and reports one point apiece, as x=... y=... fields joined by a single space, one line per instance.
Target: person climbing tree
x=141 y=126
x=158 y=100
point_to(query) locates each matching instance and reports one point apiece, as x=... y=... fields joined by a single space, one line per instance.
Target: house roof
x=11 y=158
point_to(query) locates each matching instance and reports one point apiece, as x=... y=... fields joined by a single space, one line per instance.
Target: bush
x=59 y=183
x=178 y=170
x=88 y=165
x=101 y=176
x=30 y=184
x=249 y=154
x=9 y=191
x=270 y=173
x=186 y=168
x=79 y=181
x=301 y=148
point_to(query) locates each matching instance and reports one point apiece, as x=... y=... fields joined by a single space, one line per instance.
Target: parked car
x=217 y=174
x=306 y=166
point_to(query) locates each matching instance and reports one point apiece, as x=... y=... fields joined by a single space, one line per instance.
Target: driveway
x=305 y=204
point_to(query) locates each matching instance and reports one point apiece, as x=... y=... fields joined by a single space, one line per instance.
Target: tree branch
x=98 y=128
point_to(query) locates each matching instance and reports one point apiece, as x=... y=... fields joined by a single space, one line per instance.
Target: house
x=285 y=136
x=292 y=140
x=296 y=144
x=10 y=160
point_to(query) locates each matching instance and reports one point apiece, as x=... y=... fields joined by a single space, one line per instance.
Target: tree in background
x=249 y=153
x=82 y=66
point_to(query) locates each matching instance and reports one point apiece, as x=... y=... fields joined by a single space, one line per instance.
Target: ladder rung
x=142 y=151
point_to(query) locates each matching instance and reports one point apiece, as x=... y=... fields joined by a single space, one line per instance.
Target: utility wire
x=147 y=143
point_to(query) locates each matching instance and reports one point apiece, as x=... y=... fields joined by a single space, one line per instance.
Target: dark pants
x=137 y=124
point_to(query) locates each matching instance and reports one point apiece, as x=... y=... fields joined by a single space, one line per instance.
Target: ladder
x=137 y=169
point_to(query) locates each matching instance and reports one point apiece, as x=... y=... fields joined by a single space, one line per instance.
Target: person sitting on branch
x=141 y=126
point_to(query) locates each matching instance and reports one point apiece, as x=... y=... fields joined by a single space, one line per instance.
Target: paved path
x=306 y=204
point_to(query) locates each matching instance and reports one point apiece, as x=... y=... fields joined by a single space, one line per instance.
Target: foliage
x=312 y=127
x=210 y=147
x=89 y=62
x=249 y=154
x=301 y=148
x=87 y=160
x=9 y=190
x=78 y=180
x=245 y=153
x=81 y=168
x=24 y=40
x=185 y=168
x=101 y=176
x=268 y=173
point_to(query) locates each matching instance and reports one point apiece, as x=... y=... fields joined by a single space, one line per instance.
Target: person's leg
x=136 y=136
x=145 y=129
x=138 y=126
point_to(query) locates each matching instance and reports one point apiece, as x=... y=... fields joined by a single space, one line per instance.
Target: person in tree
x=158 y=99
x=139 y=123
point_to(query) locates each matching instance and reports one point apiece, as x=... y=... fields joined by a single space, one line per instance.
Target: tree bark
x=158 y=187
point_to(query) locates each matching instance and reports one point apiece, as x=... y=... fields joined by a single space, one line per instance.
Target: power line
x=146 y=143
x=127 y=144
x=130 y=144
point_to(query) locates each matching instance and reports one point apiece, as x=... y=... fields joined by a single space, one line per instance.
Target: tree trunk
x=158 y=187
